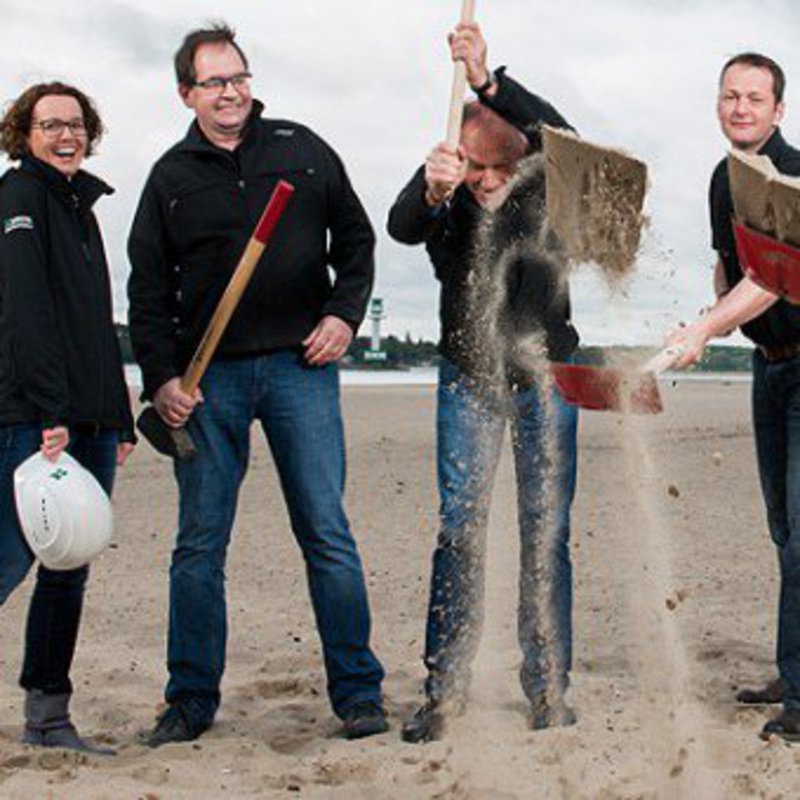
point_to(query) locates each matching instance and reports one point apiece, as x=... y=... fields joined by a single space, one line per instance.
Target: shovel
x=773 y=265
x=177 y=442
x=609 y=389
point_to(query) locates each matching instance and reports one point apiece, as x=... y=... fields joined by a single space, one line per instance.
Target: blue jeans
x=298 y=409
x=776 y=419
x=55 y=609
x=470 y=431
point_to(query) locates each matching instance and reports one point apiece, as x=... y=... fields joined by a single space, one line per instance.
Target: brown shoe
x=771 y=693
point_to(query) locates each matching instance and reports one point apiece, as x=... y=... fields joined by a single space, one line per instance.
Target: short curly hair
x=15 y=126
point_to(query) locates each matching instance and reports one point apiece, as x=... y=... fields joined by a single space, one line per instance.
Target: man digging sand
x=494 y=298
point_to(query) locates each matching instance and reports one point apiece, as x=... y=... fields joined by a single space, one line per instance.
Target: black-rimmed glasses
x=217 y=83
x=55 y=127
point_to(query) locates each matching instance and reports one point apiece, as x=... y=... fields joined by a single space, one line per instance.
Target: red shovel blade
x=605 y=389
x=773 y=265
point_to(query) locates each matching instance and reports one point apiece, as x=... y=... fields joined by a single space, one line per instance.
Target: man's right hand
x=174 y=406
x=445 y=170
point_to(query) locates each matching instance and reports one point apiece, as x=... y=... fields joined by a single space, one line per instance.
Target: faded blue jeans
x=298 y=409
x=470 y=429
x=54 y=612
x=776 y=420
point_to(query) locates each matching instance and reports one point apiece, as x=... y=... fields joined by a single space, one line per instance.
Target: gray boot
x=47 y=724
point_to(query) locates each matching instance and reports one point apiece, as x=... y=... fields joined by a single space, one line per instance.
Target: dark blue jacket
x=59 y=355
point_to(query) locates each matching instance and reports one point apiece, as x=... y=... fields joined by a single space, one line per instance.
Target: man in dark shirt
x=505 y=314
x=750 y=107
x=276 y=364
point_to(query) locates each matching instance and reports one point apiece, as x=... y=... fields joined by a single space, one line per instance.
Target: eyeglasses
x=218 y=83
x=53 y=128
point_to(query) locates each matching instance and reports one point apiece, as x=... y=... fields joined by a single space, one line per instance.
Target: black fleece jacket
x=59 y=356
x=196 y=213
x=487 y=317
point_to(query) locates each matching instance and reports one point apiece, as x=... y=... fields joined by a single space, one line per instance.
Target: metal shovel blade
x=773 y=265
x=606 y=389
x=173 y=442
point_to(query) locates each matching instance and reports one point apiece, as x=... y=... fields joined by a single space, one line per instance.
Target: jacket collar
x=86 y=187
x=773 y=146
x=196 y=141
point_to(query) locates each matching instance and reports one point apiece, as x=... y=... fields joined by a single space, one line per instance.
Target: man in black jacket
x=276 y=363
x=750 y=108
x=505 y=313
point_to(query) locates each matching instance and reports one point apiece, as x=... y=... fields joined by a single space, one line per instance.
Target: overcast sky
x=372 y=77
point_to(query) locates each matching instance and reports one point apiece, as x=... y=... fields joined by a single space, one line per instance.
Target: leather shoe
x=364 y=718
x=771 y=693
x=786 y=725
x=176 y=724
x=427 y=724
x=547 y=713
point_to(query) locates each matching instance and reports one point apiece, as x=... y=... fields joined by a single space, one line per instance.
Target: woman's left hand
x=54 y=441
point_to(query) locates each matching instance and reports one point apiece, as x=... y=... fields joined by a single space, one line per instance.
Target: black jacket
x=780 y=323
x=485 y=321
x=59 y=356
x=196 y=214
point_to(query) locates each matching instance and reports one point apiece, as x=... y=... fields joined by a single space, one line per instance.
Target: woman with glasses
x=62 y=385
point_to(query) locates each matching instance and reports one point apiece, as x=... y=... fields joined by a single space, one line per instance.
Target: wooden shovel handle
x=459 y=85
x=236 y=286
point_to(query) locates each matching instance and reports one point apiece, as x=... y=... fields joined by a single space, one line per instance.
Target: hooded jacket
x=196 y=214
x=60 y=360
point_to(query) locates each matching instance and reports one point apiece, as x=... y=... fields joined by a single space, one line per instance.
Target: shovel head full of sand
x=610 y=389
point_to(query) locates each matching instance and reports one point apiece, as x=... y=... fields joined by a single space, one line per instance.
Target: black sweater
x=198 y=210
x=59 y=356
x=469 y=248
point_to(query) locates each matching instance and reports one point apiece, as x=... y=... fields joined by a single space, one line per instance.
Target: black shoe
x=771 y=693
x=364 y=718
x=427 y=724
x=786 y=725
x=176 y=724
x=550 y=713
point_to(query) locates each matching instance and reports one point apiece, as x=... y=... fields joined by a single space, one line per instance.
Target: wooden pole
x=459 y=85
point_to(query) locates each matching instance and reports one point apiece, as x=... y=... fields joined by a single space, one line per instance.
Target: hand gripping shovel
x=176 y=442
x=608 y=389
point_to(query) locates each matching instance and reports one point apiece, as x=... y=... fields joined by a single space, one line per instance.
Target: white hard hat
x=64 y=512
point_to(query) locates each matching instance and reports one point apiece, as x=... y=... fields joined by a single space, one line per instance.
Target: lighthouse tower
x=375 y=314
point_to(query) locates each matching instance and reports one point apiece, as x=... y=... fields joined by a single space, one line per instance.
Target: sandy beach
x=675 y=604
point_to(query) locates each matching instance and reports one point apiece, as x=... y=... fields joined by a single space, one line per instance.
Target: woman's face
x=58 y=133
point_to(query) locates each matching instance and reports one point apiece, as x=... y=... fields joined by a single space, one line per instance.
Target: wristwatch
x=484 y=87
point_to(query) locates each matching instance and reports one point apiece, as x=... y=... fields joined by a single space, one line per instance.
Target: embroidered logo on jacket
x=17 y=223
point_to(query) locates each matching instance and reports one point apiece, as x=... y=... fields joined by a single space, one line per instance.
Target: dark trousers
x=470 y=432
x=298 y=409
x=776 y=419
x=55 y=609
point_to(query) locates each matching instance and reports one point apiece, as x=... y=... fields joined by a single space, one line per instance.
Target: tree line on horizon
x=406 y=352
